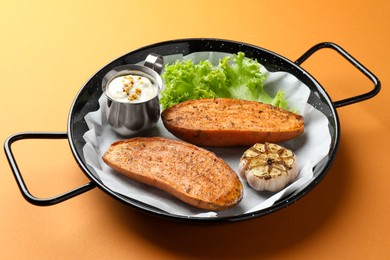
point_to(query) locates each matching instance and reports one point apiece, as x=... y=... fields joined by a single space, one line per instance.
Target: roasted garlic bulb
x=268 y=167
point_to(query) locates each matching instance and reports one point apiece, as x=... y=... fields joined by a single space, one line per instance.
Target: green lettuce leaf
x=237 y=77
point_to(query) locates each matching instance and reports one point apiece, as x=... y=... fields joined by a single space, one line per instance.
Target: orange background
x=49 y=49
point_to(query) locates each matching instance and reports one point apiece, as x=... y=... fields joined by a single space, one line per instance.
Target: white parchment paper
x=308 y=149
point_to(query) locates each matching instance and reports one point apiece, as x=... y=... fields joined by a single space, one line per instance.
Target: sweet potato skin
x=190 y=173
x=223 y=122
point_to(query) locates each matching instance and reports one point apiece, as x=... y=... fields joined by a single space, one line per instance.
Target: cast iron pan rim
x=147 y=209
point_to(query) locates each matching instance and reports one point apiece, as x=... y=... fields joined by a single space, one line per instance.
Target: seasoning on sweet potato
x=190 y=173
x=223 y=122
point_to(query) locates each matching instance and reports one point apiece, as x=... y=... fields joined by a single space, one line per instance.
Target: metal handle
x=155 y=62
x=19 y=179
x=354 y=62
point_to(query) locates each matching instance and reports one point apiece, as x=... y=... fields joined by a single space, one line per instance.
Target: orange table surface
x=49 y=49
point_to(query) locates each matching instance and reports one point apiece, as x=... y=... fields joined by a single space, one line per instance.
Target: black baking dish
x=87 y=100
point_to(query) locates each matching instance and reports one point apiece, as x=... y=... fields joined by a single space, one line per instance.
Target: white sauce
x=131 y=89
